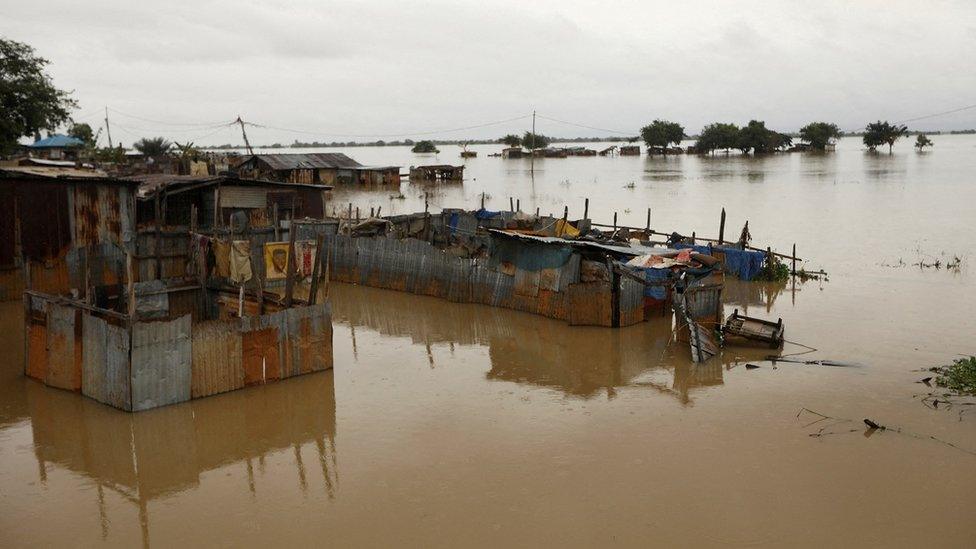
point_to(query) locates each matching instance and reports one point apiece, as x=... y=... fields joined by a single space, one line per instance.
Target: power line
x=408 y=134
x=584 y=125
x=209 y=124
x=960 y=109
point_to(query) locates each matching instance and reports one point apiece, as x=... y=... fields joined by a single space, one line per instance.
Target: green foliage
x=84 y=132
x=106 y=154
x=773 y=270
x=511 y=140
x=819 y=134
x=533 y=141
x=757 y=138
x=923 y=141
x=662 y=133
x=717 y=136
x=152 y=146
x=960 y=376
x=425 y=147
x=187 y=150
x=882 y=133
x=29 y=102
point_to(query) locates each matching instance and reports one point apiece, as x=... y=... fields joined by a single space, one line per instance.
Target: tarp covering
x=745 y=264
x=485 y=214
x=529 y=256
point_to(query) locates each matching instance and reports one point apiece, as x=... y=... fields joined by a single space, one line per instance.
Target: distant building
x=443 y=173
x=316 y=169
x=630 y=150
x=57 y=147
x=512 y=152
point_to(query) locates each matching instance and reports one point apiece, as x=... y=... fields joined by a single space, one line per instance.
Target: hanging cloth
x=240 y=261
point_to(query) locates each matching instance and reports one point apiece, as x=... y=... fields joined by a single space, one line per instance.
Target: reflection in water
x=523 y=348
x=154 y=454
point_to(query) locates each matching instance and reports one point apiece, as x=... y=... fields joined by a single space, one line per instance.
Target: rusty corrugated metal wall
x=105 y=374
x=217 y=364
x=161 y=363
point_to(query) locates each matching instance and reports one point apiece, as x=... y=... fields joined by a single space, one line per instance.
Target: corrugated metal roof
x=53 y=172
x=57 y=141
x=306 y=161
x=632 y=250
x=149 y=184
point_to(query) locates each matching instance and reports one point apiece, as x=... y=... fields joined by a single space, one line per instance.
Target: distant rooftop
x=57 y=142
x=306 y=161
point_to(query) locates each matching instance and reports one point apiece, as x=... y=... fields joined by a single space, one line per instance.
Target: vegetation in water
x=882 y=133
x=717 y=136
x=960 y=376
x=923 y=141
x=662 y=134
x=425 y=147
x=511 y=140
x=30 y=102
x=819 y=134
x=773 y=270
x=533 y=141
x=755 y=137
x=152 y=146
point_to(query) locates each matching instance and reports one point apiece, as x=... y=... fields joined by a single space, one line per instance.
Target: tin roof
x=149 y=184
x=306 y=161
x=60 y=174
x=57 y=141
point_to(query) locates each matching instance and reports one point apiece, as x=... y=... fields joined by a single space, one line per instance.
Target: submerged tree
x=511 y=140
x=923 y=141
x=533 y=141
x=717 y=136
x=756 y=137
x=152 y=146
x=882 y=133
x=662 y=133
x=425 y=147
x=29 y=102
x=819 y=134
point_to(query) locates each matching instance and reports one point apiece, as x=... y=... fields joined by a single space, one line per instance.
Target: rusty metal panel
x=217 y=358
x=161 y=363
x=309 y=339
x=37 y=351
x=590 y=304
x=631 y=302
x=243 y=197
x=105 y=362
x=63 y=348
x=260 y=350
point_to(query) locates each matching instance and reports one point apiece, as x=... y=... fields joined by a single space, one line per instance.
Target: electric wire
x=408 y=134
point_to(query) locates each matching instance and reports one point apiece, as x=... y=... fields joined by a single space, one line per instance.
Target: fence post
x=721 y=229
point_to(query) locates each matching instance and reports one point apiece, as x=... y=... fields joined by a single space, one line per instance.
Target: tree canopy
x=662 y=133
x=923 y=141
x=756 y=137
x=819 y=134
x=717 y=136
x=84 y=132
x=533 y=141
x=511 y=140
x=883 y=133
x=425 y=147
x=28 y=99
x=152 y=146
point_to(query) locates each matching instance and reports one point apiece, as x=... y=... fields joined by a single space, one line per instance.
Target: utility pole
x=108 y=130
x=244 y=133
x=532 y=146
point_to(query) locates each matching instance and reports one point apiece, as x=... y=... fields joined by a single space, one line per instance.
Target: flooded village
x=435 y=323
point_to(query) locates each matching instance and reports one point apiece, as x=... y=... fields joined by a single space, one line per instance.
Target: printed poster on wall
x=275 y=260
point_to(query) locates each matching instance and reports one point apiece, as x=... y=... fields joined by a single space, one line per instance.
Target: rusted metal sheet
x=590 y=304
x=37 y=351
x=631 y=302
x=260 y=350
x=105 y=362
x=309 y=339
x=217 y=358
x=161 y=363
x=64 y=348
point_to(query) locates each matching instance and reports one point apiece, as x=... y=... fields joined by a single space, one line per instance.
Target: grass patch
x=773 y=270
x=960 y=376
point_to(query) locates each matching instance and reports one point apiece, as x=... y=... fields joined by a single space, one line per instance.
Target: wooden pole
x=290 y=269
x=692 y=237
x=721 y=229
x=793 y=258
x=647 y=227
x=586 y=208
x=357 y=213
x=537 y=212
x=614 y=221
x=518 y=205
x=565 y=213
x=216 y=218
x=372 y=211
x=482 y=200
x=158 y=238
x=130 y=286
x=378 y=210
x=349 y=217
x=511 y=204
x=259 y=282
x=274 y=219
x=314 y=287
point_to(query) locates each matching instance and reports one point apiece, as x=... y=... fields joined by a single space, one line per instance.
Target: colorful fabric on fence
x=240 y=261
x=305 y=254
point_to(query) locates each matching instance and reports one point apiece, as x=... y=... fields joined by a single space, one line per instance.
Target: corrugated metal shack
x=192 y=312
x=63 y=230
x=437 y=173
x=317 y=169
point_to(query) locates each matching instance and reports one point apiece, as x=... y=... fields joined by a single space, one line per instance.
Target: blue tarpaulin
x=454 y=222
x=652 y=275
x=745 y=264
x=485 y=214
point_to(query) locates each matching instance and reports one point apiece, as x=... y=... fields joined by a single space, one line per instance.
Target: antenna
x=244 y=133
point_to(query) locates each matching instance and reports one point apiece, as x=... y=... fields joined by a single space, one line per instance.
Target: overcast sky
x=397 y=67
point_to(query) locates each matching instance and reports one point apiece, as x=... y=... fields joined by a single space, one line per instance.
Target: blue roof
x=61 y=141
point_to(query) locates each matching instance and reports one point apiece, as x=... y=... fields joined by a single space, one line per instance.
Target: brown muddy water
x=462 y=425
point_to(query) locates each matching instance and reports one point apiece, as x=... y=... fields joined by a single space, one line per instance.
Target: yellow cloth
x=221 y=251
x=563 y=228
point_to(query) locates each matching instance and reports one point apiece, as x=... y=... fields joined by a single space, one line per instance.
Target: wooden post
x=426 y=203
x=357 y=213
x=372 y=211
x=88 y=284
x=562 y=228
x=586 y=208
x=518 y=205
x=157 y=245
x=290 y=269
x=482 y=200
x=349 y=217
x=721 y=229
x=274 y=219
x=565 y=213
x=259 y=282
x=511 y=204
x=378 y=210
x=537 y=212
x=794 y=259
x=130 y=286
x=647 y=227
x=216 y=217
x=614 y=221
x=692 y=237
x=314 y=287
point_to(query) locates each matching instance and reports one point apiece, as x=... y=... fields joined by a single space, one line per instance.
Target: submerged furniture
x=754 y=329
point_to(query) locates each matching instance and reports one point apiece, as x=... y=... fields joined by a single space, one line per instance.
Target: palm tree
x=153 y=146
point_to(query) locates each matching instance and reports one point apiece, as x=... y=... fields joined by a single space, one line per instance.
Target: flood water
x=452 y=425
